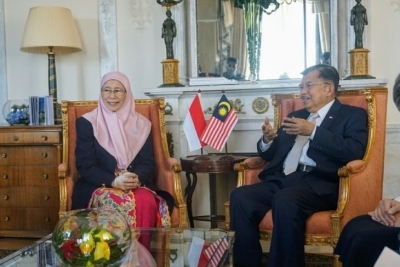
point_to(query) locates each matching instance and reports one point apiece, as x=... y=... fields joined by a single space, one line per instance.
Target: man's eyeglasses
x=108 y=91
x=309 y=86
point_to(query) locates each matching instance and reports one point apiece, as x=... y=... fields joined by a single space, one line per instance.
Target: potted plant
x=252 y=11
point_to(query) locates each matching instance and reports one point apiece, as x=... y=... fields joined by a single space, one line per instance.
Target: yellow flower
x=86 y=248
x=102 y=250
x=88 y=243
x=104 y=235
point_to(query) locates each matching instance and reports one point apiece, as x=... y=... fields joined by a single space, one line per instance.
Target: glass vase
x=16 y=112
x=253 y=22
x=92 y=237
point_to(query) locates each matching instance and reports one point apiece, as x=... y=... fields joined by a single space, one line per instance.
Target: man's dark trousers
x=292 y=201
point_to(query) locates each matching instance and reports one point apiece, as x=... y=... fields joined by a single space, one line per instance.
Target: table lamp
x=51 y=30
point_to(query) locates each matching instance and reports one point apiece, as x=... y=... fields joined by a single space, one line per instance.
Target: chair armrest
x=359 y=183
x=359 y=192
x=255 y=163
x=175 y=167
x=168 y=178
x=62 y=170
x=66 y=185
x=248 y=170
x=352 y=167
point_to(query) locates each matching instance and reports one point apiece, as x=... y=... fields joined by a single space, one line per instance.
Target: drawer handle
x=6 y=197
x=16 y=138
x=44 y=138
x=45 y=176
x=44 y=155
x=7 y=218
x=46 y=197
x=47 y=219
x=4 y=155
x=5 y=176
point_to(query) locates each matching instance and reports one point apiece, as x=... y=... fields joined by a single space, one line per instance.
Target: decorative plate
x=260 y=105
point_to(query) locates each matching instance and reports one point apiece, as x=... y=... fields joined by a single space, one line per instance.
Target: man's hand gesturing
x=268 y=132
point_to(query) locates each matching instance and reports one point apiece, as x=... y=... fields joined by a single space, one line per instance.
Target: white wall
x=77 y=74
x=384 y=21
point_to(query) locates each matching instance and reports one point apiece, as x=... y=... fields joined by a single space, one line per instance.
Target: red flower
x=70 y=249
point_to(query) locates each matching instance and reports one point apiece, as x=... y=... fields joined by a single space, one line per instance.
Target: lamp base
x=359 y=64
x=57 y=113
x=171 y=73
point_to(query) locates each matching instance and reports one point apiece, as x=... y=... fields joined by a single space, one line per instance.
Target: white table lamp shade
x=50 y=26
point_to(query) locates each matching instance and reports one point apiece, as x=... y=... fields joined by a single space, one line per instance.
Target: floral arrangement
x=18 y=115
x=263 y=3
x=82 y=239
x=253 y=13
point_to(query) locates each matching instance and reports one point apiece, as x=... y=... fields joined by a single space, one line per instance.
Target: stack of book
x=41 y=110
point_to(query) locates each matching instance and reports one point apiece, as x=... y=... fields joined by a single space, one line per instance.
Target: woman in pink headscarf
x=114 y=158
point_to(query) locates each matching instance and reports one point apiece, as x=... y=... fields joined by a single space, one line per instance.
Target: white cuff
x=264 y=146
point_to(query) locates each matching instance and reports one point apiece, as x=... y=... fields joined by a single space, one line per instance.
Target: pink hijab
x=123 y=132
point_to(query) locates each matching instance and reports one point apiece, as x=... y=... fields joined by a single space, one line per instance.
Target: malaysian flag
x=220 y=124
x=216 y=251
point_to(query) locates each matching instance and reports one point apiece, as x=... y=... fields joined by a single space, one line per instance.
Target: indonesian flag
x=196 y=255
x=194 y=124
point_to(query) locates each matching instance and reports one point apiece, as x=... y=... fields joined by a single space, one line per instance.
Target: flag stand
x=201 y=149
x=227 y=156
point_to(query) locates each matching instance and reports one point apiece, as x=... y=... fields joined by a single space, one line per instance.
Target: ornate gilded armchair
x=167 y=173
x=361 y=181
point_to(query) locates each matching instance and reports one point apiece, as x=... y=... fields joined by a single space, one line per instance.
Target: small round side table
x=212 y=164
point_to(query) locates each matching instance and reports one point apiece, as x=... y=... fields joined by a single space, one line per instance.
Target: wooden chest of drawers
x=29 y=187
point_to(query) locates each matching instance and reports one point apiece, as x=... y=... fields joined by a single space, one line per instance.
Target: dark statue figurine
x=358 y=19
x=169 y=33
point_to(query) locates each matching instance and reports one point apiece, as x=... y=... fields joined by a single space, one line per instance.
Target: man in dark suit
x=327 y=135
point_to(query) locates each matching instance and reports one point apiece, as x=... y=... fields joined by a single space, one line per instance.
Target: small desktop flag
x=216 y=251
x=194 y=124
x=220 y=124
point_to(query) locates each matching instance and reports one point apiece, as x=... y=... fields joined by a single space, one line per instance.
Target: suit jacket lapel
x=330 y=116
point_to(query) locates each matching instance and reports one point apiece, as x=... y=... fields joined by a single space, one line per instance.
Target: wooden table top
x=211 y=163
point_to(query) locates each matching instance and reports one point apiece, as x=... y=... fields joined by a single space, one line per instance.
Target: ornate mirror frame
x=192 y=36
